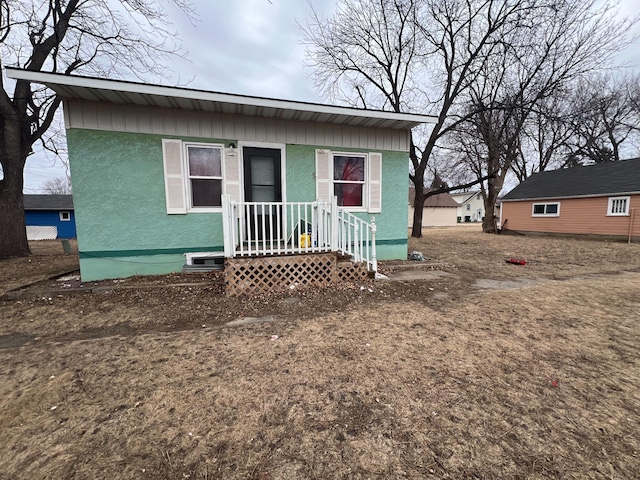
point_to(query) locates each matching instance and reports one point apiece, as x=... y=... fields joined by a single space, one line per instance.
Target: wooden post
x=226 y=224
x=334 y=223
x=374 y=260
x=633 y=210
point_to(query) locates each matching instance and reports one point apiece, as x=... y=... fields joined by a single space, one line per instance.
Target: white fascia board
x=177 y=92
x=569 y=197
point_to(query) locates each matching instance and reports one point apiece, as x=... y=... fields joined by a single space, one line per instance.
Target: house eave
x=134 y=93
x=567 y=197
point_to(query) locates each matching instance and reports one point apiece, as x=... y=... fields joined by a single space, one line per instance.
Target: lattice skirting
x=255 y=275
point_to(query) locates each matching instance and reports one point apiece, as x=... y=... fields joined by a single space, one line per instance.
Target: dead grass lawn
x=420 y=379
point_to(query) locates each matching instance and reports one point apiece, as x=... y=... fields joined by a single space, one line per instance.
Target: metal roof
x=604 y=179
x=48 y=202
x=134 y=93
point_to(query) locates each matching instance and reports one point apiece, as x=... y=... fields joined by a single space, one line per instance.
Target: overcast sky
x=250 y=47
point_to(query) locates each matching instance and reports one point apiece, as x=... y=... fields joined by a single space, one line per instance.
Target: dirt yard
x=490 y=371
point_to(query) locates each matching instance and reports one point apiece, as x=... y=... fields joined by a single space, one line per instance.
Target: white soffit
x=133 y=93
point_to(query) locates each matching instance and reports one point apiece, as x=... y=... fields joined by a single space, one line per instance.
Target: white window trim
x=365 y=184
x=545 y=214
x=68 y=219
x=610 y=205
x=188 y=177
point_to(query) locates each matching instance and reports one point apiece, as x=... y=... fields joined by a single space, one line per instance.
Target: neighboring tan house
x=470 y=206
x=48 y=217
x=164 y=176
x=439 y=210
x=596 y=200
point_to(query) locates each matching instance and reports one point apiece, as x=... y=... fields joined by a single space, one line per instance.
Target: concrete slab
x=409 y=275
x=250 y=320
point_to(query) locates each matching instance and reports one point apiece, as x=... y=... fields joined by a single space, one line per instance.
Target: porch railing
x=280 y=228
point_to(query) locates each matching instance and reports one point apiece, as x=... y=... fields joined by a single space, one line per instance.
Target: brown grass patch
x=413 y=380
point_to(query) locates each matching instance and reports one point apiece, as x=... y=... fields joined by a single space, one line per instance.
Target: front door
x=262 y=183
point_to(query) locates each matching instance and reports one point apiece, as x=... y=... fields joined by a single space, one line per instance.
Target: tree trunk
x=418 y=204
x=494 y=185
x=489 y=220
x=13 y=234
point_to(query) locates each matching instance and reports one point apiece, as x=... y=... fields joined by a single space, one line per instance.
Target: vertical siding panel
x=182 y=123
x=158 y=117
x=300 y=134
x=75 y=115
x=89 y=119
x=249 y=125
x=144 y=120
x=103 y=117
x=205 y=125
x=130 y=119
x=170 y=123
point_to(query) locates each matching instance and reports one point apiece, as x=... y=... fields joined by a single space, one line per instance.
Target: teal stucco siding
x=119 y=197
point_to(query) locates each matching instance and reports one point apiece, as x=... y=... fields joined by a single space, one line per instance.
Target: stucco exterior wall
x=586 y=216
x=436 y=216
x=122 y=224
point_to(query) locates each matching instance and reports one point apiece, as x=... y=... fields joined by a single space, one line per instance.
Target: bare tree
x=413 y=55
x=566 y=41
x=57 y=186
x=605 y=117
x=545 y=136
x=98 y=37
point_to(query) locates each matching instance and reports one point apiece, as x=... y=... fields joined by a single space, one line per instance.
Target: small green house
x=165 y=176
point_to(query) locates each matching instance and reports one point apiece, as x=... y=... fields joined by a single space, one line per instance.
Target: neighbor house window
x=546 y=210
x=618 y=206
x=349 y=179
x=468 y=207
x=65 y=217
x=204 y=170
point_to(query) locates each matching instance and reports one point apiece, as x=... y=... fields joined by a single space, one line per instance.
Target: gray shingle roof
x=48 y=202
x=614 y=178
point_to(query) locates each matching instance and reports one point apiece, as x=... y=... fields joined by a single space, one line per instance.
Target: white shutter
x=375 y=182
x=174 y=176
x=323 y=175
x=231 y=174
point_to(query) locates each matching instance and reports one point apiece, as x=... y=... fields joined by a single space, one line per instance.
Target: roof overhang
x=569 y=197
x=134 y=93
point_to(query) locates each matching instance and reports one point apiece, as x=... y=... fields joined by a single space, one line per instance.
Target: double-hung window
x=618 y=206
x=349 y=179
x=546 y=209
x=204 y=175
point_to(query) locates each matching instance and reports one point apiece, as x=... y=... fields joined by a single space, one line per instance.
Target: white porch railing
x=280 y=228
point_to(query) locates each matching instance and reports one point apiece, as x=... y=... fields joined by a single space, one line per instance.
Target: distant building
x=49 y=217
x=597 y=200
x=439 y=210
x=470 y=206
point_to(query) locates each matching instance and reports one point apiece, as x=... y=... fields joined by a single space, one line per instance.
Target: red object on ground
x=516 y=261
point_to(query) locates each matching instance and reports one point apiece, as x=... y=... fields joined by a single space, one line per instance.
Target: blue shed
x=49 y=217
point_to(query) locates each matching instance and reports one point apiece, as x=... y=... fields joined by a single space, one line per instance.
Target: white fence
x=280 y=228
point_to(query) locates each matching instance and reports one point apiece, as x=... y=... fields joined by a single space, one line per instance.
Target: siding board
x=577 y=216
x=168 y=121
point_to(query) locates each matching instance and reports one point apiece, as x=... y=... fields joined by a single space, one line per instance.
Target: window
x=468 y=207
x=65 y=217
x=349 y=179
x=204 y=172
x=618 y=206
x=546 y=210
